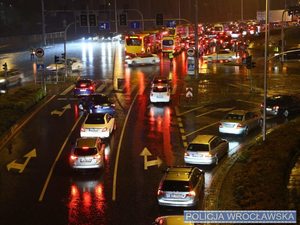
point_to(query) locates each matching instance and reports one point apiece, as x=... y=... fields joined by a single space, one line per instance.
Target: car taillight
x=91 y=88
x=191 y=194
x=104 y=129
x=276 y=107
x=113 y=105
x=82 y=129
x=186 y=154
x=98 y=156
x=160 y=192
x=239 y=125
x=261 y=105
x=73 y=157
x=220 y=125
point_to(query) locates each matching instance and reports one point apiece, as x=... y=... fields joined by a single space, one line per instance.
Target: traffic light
x=56 y=59
x=5 y=66
x=159 y=19
x=63 y=55
x=92 y=20
x=123 y=19
x=83 y=20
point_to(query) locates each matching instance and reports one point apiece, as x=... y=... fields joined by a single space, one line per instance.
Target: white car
x=206 y=150
x=160 y=93
x=225 y=55
x=143 y=59
x=98 y=125
x=76 y=65
x=239 y=122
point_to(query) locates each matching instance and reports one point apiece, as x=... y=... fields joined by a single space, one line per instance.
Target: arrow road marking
x=147 y=163
x=20 y=166
x=59 y=113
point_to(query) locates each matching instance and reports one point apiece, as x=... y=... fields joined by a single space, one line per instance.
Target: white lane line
x=202 y=128
x=56 y=160
x=191 y=110
x=254 y=103
x=216 y=110
x=67 y=90
x=118 y=151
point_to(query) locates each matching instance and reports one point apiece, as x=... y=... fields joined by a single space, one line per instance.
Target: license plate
x=82 y=90
x=176 y=195
x=85 y=160
x=160 y=96
x=93 y=129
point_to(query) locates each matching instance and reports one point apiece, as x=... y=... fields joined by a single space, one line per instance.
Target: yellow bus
x=141 y=43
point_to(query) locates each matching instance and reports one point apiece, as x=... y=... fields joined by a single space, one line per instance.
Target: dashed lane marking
x=202 y=128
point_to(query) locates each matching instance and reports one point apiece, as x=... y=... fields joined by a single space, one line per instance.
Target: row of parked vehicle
x=99 y=123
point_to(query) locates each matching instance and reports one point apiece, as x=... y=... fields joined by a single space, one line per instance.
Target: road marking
x=145 y=153
x=21 y=166
x=255 y=103
x=215 y=110
x=59 y=113
x=118 y=151
x=56 y=160
x=188 y=111
x=202 y=128
x=67 y=90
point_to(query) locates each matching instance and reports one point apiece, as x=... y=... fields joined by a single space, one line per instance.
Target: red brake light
x=239 y=125
x=186 y=154
x=85 y=147
x=191 y=193
x=82 y=129
x=160 y=192
x=91 y=87
x=82 y=85
x=73 y=157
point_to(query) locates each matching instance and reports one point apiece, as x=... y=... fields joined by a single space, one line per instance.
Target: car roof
x=86 y=142
x=179 y=173
x=203 y=138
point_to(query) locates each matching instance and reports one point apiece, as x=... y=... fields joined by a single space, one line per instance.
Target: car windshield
x=234 y=117
x=173 y=185
x=168 y=42
x=133 y=42
x=198 y=147
x=159 y=89
x=160 y=81
x=95 y=119
x=100 y=99
x=85 y=151
x=83 y=83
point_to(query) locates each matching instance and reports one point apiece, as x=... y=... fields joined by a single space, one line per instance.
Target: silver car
x=181 y=187
x=206 y=150
x=239 y=122
x=88 y=153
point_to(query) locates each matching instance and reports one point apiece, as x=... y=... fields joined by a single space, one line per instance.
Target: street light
x=65 y=47
x=265 y=68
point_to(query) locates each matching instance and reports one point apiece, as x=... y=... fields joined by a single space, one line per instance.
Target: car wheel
x=286 y=113
x=246 y=131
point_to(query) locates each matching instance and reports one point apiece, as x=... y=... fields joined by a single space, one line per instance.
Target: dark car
x=282 y=105
x=84 y=87
x=97 y=103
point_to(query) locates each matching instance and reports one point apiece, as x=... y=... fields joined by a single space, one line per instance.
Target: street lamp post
x=196 y=40
x=43 y=23
x=282 y=35
x=65 y=47
x=265 y=68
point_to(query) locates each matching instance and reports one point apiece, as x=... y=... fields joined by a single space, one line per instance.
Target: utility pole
x=116 y=16
x=265 y=68
x=196 y=39
x=43 y=23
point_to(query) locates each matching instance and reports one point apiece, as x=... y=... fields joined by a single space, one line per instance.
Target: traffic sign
x=40 y=66
x=135 y=25
x=39 y=52
x=104 y=26
x=189 y=92
x=190 y=52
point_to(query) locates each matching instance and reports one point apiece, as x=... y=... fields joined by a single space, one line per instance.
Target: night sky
x=27 y=13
